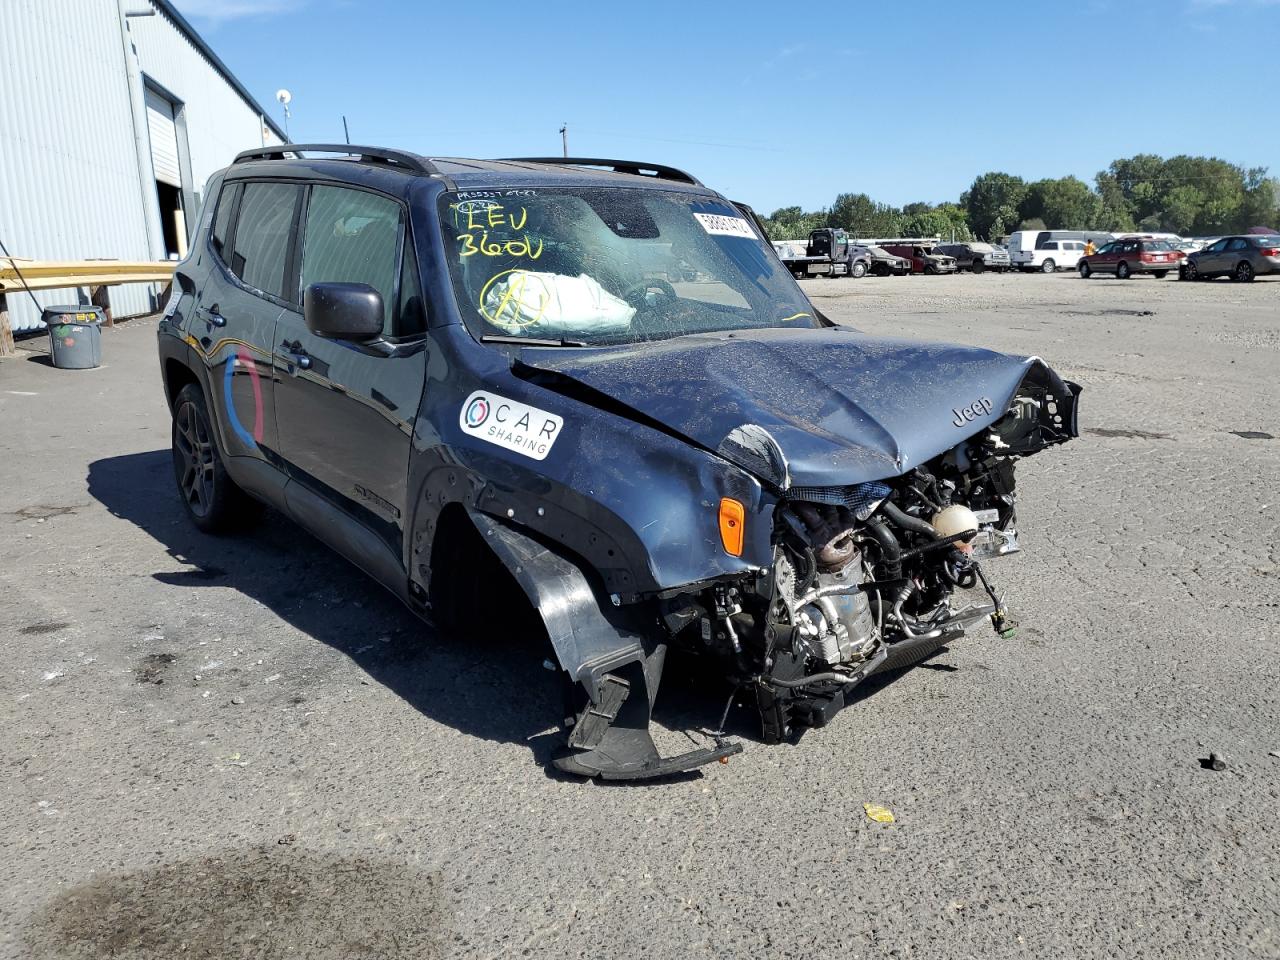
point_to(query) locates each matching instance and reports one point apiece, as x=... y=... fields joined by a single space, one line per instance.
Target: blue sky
x=903 y=101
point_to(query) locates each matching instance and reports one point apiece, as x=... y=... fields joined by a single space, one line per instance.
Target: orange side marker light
x=732 y=526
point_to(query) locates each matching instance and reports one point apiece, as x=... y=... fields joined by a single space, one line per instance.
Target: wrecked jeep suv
x=597 y=374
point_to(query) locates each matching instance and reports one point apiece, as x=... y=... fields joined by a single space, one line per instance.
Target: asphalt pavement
x=243 y=747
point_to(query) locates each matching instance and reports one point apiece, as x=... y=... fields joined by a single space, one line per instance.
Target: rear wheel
x=1085 y=271
x=978 y=266
x=1049 y=266
x=1244 y=272
x=1122 y=270
x=211 y=498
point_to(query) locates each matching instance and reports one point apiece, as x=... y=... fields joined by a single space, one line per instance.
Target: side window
x=1217 y=246
x=222 y=219
x=411 y=312
x=353 y=237
x=1238 y=243
x=261 y=239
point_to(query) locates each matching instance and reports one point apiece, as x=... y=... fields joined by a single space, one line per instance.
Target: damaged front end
x=864 y=577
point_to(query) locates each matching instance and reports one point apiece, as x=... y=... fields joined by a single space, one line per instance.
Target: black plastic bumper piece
x=616 y=663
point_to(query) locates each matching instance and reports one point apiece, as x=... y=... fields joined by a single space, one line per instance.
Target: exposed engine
x=865 y=577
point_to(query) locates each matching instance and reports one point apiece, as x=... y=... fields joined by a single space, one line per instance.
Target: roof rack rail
x=399 y=158
x=635 y=167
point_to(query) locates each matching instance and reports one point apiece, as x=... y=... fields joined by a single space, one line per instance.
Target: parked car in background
x=1124 y=258
x=886 y=264
x=1048 y=256
x=976 y=256
x=1240 y=258
x=923 y=258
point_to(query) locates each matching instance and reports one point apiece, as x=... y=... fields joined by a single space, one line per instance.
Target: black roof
x=463 y=173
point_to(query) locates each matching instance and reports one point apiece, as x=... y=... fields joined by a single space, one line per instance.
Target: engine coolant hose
x=908 y=522
x=890 y=549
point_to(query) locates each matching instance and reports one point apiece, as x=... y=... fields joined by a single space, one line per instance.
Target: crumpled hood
x=840 y=406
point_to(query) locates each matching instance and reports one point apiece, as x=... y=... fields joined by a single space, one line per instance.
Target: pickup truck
x=830 y=253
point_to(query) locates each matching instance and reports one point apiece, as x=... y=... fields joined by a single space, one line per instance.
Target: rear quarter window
x=222 y=219
x=260 y=243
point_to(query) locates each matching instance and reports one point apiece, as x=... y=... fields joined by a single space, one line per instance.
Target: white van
x=1050 y=250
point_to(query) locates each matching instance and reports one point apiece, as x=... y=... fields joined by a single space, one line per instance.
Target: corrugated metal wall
x=70 y=184
x=219 y=123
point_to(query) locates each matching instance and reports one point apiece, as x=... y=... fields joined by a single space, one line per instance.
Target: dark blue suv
x=590 y=387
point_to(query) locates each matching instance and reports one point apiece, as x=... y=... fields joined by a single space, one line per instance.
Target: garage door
x=164 y=139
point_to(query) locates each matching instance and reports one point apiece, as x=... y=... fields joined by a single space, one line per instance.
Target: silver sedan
x=1240 y=258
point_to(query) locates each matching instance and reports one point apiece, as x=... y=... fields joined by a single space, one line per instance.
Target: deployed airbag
x=527 y=302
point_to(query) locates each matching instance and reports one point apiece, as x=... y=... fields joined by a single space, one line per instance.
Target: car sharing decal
x=510 y=424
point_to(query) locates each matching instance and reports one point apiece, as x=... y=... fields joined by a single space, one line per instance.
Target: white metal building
x=113 y=114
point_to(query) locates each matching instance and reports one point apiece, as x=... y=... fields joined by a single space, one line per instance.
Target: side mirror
x=343 y=311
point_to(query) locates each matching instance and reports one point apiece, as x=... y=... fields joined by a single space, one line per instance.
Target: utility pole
x=564 y=138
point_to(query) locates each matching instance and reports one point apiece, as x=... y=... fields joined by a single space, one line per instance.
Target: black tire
x=858 y=270
x=1160 y=274
x=1085 y=271
x=211 y=498
x=1122 y=271
x=1189 y=271
x=1049 y=266
x=1244 y=272
x=977 y=266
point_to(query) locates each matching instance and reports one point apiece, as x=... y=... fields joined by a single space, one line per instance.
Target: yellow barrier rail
x=97 y=275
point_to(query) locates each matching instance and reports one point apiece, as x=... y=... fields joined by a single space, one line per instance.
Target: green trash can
x=75 y=336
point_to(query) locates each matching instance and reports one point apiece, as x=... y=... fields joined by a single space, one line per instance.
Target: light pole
x=564 y=138
x=284 y=96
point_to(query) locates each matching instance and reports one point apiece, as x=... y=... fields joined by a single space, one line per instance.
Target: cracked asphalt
x=242 y=747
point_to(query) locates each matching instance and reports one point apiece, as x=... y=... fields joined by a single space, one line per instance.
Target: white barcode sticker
x=720 y=225
x=987 y=516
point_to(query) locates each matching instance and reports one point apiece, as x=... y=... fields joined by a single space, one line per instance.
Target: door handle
x=213 y=316
x=297 y=355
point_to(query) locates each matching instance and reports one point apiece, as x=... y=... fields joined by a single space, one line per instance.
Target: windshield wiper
x=531 y=341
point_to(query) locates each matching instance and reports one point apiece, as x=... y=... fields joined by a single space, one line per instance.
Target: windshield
x=611 y=265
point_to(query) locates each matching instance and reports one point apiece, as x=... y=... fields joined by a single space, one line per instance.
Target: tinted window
x=222 y=219
x=1107 y=248
x=261 y=240
x=1161 y=245
x=1238 y=243
x=353 y=237
x=411 y=316
x=1217 y=246
x=1263 y=241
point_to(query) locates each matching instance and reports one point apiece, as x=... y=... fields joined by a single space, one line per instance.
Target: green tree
x=792 y=223
x=863 y=217
x=992 y=203
x=1114 y=211
x=1067 y=203
x=946 y=220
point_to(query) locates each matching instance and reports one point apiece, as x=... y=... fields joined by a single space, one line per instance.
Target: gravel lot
x=244 y=748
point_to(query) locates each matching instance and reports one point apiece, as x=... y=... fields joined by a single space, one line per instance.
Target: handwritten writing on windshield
x=485 y=227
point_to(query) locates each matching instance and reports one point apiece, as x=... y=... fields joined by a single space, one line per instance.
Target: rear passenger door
x=346 y=410
x=240 y=300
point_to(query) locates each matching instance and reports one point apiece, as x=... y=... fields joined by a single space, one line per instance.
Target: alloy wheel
x=195 y=455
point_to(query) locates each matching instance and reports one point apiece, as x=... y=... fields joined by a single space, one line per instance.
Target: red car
x=1126 y=257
